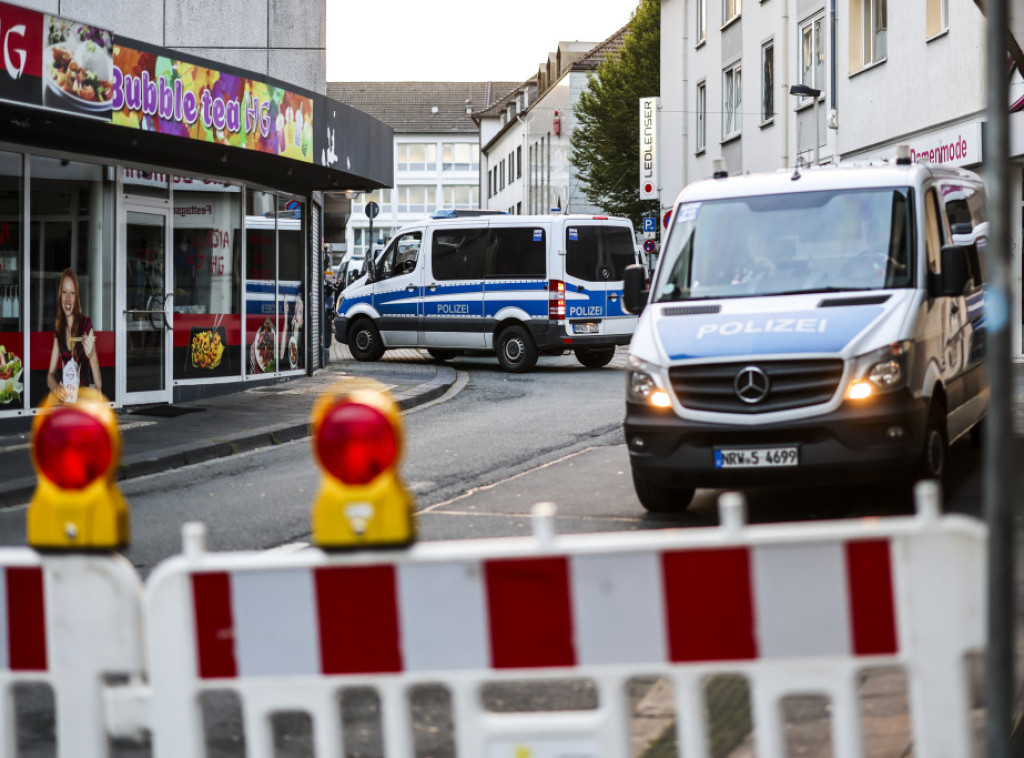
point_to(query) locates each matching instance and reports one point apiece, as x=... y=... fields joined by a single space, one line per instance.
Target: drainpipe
x=686 y=121
x=832 y=121
x=785 y=113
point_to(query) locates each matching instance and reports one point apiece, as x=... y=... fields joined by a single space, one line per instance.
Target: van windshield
x=789 y=244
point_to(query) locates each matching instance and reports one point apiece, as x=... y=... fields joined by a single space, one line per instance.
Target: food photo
x=10 y=377
x=78 y=66
x=263 y=348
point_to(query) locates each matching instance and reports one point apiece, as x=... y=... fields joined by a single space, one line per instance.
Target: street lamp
x=804 y=91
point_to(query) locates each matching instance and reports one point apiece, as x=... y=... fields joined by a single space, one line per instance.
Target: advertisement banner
x=21 y=35
x=159 y=94
x=649 y=148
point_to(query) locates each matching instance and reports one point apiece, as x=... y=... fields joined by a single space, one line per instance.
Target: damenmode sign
x=649 y=148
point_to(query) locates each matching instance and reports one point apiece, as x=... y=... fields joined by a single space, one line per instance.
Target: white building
x=889 y=73
x=525 y=136
x=437 y=150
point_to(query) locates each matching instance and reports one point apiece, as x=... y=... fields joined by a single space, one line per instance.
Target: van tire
x=594 y=357
x=935 y=455
x=439 y=354
x=657 y=498
x=516 y=351
x=364 y=341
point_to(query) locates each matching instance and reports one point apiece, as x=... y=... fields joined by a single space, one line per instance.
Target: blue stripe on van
x=736 y=335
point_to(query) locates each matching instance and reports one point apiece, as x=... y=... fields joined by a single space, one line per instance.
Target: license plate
x=588 y=328
x=760 y=457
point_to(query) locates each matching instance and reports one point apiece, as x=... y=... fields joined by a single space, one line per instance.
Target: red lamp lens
x=356 y=443
x=72 y=448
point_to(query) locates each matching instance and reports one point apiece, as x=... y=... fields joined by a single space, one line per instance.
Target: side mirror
x=635 y=290
x=956 y=272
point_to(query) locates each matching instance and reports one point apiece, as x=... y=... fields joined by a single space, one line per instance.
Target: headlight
x=883 y=370
x=642 y=386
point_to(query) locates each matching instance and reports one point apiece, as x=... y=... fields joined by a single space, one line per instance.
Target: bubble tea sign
x=160 y=94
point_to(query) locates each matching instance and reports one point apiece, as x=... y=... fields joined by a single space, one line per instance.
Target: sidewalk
x=166 y=437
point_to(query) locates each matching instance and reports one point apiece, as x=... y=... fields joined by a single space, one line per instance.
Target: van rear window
x=598 y=253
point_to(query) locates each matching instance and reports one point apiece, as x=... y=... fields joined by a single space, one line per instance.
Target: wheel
x=936 y=446
x=658 y=498
x=364 y=341
x=516 y=351
x=595 y=357
x=439 y=354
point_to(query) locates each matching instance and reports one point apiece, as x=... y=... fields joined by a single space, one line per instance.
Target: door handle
x=410 y=288
x=614 y=297
x=432 y=287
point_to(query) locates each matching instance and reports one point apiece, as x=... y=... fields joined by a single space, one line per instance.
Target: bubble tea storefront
x=174 y=203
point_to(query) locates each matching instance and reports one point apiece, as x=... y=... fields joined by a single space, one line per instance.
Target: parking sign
x=650 y=224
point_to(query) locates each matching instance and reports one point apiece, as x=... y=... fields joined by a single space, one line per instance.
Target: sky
x=459 y=40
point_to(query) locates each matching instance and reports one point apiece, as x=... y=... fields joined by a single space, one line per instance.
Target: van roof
x=535 y=219
x=842 y=176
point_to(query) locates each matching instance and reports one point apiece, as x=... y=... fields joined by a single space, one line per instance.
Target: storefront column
x=97 y=260
x=1017 y=261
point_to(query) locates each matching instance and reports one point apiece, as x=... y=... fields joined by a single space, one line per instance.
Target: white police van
x=809 y=327
x=518 y=286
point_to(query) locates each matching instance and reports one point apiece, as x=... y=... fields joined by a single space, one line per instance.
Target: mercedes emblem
x=751 y=385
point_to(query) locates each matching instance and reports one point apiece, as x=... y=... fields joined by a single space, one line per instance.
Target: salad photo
x=263 y=347
x=10 y=377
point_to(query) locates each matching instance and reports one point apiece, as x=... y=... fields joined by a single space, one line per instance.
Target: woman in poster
x=73 y=360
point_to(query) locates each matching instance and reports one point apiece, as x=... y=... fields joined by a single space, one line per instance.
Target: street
x=477 y=460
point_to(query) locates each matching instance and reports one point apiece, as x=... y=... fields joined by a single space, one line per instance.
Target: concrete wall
x=282 y=39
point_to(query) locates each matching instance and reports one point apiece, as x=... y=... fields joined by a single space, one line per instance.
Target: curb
x=21 y=490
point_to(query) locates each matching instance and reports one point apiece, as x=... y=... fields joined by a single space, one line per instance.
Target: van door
x=398 y=290
x=453 y=295
x=596 y=255
x=516 y=273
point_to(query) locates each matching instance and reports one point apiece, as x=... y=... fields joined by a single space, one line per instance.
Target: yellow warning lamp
x=362 y=501
x=77 y=504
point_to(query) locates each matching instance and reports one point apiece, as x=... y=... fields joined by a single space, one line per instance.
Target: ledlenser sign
x=649 y=148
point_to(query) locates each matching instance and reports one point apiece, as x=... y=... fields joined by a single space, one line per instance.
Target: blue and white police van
x=822 y=326
x=517 y=286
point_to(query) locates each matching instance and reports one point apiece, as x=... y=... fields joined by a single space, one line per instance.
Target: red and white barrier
x=67 y=621
x=795 y=607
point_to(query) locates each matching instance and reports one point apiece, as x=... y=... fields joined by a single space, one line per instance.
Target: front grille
x=792 y=384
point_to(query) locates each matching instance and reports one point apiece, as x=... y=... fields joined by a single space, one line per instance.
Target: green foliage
x=605 y=141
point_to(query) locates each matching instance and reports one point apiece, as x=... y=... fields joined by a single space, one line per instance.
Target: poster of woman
x=74 y=361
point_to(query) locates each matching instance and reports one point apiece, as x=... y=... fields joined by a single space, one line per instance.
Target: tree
x=605 y=141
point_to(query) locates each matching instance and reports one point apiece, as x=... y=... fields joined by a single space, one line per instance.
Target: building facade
x=886 y=74
x=177 y=196
x=436 y=161
x=525 y=136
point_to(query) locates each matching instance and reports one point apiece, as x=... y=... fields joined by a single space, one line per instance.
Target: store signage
x=160 y=94
x=959 y=146
x=649 y=148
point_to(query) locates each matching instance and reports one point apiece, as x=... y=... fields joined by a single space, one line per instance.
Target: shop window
x=207 y=279
x=12 y=301
x=71 y=227
x=275 y=283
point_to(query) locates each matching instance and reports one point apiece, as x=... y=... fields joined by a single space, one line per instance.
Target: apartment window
x=460 y=196
x=382 y=197
x=702 y=116
x=731 y=101
x=868 y=27
x=519 y=162
x=414 y=156
x=937 y=17
x=702 y=21
x=767 y=82
x=414 y=198
x=730 y=10
x=461 y=156
x=812 y=53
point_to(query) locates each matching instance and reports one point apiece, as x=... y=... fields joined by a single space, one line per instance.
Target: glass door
x=148 y=311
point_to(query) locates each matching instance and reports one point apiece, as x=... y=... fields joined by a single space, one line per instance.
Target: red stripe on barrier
x=869 y=573
x=530 y=611
x=709 y=605
x=26 y=615
x=358 y=612
x=215 y=626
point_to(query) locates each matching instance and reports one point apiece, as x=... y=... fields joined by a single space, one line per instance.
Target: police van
x=517 y=286
x=821 y=326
